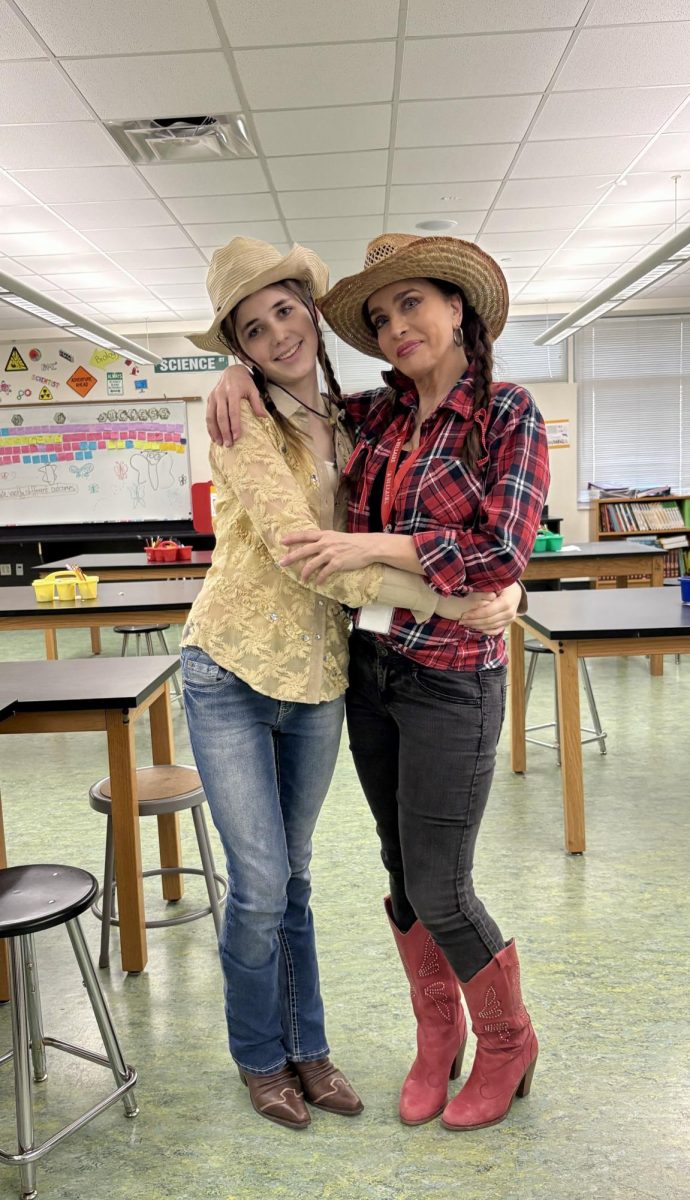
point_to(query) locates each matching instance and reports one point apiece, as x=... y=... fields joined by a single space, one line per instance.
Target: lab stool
x=32 y=899
x=160 y=790
x=146 y=632
x=535 y=648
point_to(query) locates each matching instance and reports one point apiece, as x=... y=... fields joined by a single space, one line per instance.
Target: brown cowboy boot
x=278 y=1097
x=507 y=1046
x=441 y=1026
x=326 y=1087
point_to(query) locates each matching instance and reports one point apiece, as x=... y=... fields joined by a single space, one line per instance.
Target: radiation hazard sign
x=81 y=381
x=45 y=394
x=15 y=362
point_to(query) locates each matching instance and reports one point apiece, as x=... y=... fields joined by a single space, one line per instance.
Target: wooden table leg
x=163 y=751
x=4 y=980
x=518 y=746
x=656 y=661
x=125 y=813
x=50 y=636
x=95 y=639
x=568 y=684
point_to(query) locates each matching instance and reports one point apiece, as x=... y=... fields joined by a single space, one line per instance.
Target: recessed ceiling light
x=435 y=225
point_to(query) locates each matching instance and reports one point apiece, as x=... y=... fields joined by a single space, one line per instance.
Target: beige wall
x=558 y=402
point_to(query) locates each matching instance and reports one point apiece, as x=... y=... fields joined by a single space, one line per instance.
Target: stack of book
x=629 y=517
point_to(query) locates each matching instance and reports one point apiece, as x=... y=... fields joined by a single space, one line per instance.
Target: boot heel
x=526 y=1082
x=456 y=1065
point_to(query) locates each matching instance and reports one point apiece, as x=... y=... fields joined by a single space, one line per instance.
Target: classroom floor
x=603 y=944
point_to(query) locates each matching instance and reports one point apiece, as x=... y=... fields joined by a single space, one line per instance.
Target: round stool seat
x=140 y=628
x=536 y=647
x=164 y=789
x=40 y=896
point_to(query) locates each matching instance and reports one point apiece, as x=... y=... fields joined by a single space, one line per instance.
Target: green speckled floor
x=603 y=942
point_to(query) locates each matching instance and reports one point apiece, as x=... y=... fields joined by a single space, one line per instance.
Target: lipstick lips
x=407 y=349
x=292 y=354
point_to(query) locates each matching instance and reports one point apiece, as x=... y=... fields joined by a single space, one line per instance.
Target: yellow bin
x=65 y=584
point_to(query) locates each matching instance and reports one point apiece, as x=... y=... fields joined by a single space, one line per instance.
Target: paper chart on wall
x=94 y=463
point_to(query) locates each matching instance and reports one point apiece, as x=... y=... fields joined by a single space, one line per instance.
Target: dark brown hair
x=478 y=346
x=228 y=334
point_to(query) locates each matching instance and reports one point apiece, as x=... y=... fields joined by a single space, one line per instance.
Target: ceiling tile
x=155 y=85
x=334 y=202
x=336 y=170
x=131 y=260
x=467 y=223
x=681 y=124
x=101 y=27
x=360 y=71
x=101 y=183
x=510 y=219
x=464 y=122
x=499 y=64
x=333 y=250
x=441 y=197
x=320 y=130
x=578 y=156
x=670 y=152
x=54 y=242
x=621 y=12
x=63 y=264
x=195 y=209
x=160 y=275
x=537 y=193
x=180 y=291
x=12 y=267
x=206 y=179
x=28 y=218
x=16 y=41
x=220 y=233
x=274 y=23
x=114 y=214
x=427 y=18
x=81 y=281
x=656 y=55
x=335 y=228
x=509 y=256
x=541 y=239
x=557 y=289
x=606 y=113
x=640 y=186
x=150 y=237
x=630 y=235
x=10 y=193
x=572 y=256
x=451 y=163
x=660 y=212
x=37 y=91
x=66 y=144
x=585 y=271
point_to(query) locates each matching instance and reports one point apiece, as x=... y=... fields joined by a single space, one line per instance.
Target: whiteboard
x=94 y=463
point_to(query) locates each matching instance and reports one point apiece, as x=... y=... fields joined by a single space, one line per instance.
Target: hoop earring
x=458 y=337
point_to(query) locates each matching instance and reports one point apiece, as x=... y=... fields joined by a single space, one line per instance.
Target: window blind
x=633 y=392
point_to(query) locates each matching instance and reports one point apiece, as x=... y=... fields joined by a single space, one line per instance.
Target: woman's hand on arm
x=493 y=615
x=325 y=551
x=223 y=420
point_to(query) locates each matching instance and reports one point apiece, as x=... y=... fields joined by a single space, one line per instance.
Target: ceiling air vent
x=184 y=139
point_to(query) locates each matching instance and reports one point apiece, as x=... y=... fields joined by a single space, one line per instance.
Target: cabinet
x=664 y=520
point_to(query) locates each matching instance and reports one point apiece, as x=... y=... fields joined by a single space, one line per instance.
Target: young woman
x=264 y=663
x=449 y=477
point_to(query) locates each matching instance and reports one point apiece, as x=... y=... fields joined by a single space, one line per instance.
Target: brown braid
x=478 y=346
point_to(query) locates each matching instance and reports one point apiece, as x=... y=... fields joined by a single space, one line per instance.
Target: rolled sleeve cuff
x=441 y=562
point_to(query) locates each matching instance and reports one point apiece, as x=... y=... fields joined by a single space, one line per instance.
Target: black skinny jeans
x=424 y=745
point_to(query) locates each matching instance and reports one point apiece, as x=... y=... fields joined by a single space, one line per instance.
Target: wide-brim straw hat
x=395 y=256
x=245 y=266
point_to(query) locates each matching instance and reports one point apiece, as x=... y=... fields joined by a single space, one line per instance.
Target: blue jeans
x=266 y=766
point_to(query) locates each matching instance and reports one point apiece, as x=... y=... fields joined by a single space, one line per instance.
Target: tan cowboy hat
x=245 y=266
x=394 y=256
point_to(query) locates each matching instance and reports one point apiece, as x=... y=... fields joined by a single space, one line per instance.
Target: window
x=354 y=371
x=633 y=396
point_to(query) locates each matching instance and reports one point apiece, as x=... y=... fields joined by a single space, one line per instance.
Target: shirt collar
x=287 y=405
x=460 y=398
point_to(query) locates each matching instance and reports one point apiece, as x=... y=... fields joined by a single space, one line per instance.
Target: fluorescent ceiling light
x=669 y=257
x=17 y=293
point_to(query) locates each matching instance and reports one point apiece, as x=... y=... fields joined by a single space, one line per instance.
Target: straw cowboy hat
x=394 y=256
x=245 y=266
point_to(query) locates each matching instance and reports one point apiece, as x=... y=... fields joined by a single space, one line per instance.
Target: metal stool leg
x=137 y=638
x=206 y=855
x=108 y=881
x=22 y=1065
x=530 y=678
x=175 y=678
x=600 y=735
x=125 y=642
x=149 y=644
x=101 y=1013
x=33 y=997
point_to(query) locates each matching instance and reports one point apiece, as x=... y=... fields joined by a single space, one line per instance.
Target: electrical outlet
x=5 y=568
x=19 y=568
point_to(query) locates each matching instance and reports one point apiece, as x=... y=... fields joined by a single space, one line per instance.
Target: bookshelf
x=666 y=519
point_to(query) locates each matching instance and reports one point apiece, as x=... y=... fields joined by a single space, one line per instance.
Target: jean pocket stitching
x=430 y=690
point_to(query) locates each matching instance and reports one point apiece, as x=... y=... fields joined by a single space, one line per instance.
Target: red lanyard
x=395 y=475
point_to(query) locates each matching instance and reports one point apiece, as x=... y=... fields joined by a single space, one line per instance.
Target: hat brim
x=300 y=263
x=455 y=261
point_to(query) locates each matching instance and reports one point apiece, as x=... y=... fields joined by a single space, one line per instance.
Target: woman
x=264 y=664
x=450 y=474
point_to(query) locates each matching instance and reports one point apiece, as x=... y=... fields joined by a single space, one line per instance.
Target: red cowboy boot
x=441 y=1026
x=507 y=1046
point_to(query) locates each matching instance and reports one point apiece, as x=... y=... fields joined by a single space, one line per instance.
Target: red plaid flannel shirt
x=472 y=530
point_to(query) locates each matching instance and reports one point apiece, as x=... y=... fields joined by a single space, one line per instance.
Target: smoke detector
x=184 y=139
x=437 y=225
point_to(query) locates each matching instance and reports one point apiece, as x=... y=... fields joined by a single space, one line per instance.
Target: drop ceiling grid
x=483 y=135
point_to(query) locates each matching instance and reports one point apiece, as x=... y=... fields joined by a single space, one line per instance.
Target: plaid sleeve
x=494 y=552
x=360 y=404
